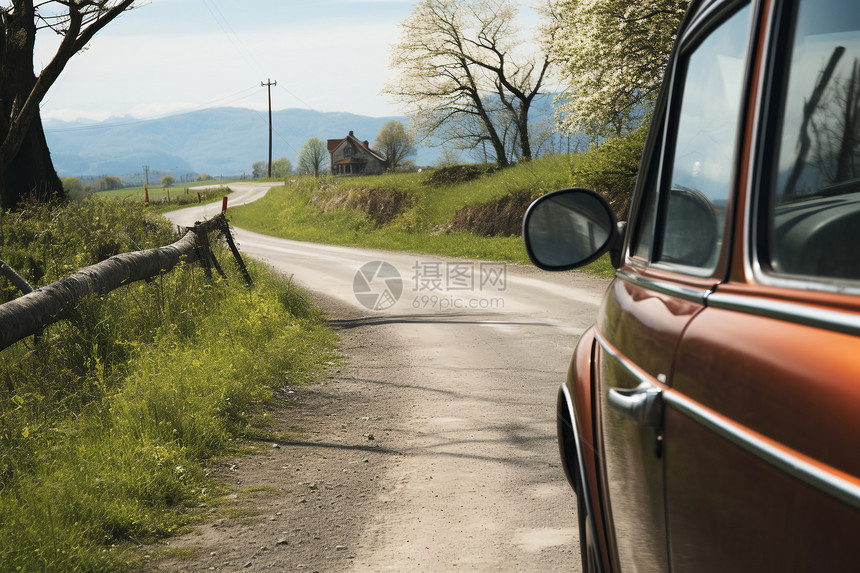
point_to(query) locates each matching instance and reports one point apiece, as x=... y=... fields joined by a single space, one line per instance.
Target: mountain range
x=221 y=141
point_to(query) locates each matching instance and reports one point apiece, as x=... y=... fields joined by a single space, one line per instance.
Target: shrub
x=611 y=169
x=46 y=242
x=73 y=188
x=459 y=174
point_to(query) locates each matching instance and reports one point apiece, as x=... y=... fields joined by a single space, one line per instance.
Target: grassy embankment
x=477 y=219
x=106 y=424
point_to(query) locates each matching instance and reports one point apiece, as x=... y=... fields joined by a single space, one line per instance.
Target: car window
x=813 y=214
x=702 y=162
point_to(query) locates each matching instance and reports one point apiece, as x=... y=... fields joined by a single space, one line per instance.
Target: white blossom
x=611 y=55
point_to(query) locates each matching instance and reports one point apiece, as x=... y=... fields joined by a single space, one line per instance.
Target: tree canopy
x=259 y=169
x=282 y=167
x=463 y=77
x=313 y=157
x=612 y=54
x=395 y=143
x=25 y=163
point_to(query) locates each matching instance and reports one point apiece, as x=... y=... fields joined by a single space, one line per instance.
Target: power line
x=225 y=26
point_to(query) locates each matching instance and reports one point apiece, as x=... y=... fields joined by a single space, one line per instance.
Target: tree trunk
x=27 y=169
x=523 y=128
x=492 y=133
x=31 y=172
x=30 y=314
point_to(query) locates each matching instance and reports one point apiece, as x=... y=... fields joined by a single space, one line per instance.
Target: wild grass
x=320 y=210
x=107 y=422
x=166 y=199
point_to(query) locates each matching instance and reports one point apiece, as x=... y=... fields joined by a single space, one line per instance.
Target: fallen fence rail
x=29 y=314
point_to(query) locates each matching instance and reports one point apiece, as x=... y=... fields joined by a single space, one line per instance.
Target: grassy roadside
x=159 y=193
x=411 y=212
x=107 y=423
x=162 y=200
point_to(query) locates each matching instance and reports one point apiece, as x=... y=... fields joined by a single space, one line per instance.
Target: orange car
x=711 y=417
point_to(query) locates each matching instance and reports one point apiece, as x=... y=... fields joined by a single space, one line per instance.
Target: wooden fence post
x=225 y=230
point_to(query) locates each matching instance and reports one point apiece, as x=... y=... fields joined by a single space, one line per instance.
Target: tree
x=203 y=177
x=612 y=54
x=73 y=188
x=395 y=143
x=459 y=79
x=259 y=169
x=25 y=163
x=167 y=180
x=107 y=183
x=281 y=168
x=313 y=157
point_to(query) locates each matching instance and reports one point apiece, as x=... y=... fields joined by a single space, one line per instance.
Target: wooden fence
x=29 y=314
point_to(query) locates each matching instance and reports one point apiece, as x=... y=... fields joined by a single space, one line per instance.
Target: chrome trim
x=804 y=283
x=704 y=22
x=790 y=312
x=825 y=482
x=629 y=367
x=686 y=293
x=580 y=458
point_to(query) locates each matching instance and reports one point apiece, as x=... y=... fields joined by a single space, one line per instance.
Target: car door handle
x=644 y=404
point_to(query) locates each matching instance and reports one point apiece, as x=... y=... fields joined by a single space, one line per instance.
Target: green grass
x=107 y=423
x=159 y=193
x=317 y=210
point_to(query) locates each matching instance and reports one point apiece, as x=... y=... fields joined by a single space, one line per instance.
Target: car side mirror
x=570 y=228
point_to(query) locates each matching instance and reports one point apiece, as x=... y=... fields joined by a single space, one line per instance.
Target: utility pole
x=269 y=83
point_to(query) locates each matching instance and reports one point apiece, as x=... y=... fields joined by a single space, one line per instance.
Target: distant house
x=349 y=156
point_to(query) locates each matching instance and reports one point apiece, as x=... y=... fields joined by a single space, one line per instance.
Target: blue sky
x=170 y=56
x=178 y=55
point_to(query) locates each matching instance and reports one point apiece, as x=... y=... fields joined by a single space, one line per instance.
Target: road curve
x=483 y=348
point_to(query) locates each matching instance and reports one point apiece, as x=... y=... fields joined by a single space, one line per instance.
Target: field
x=158 y=193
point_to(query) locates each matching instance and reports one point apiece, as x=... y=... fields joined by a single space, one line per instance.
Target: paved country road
x=433 y=448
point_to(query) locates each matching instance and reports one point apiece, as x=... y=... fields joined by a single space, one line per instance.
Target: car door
x=676 y=256
x=762 y=431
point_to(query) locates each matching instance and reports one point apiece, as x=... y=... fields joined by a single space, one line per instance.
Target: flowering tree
x=612 y=54
x=461 y=75
x=25 y=163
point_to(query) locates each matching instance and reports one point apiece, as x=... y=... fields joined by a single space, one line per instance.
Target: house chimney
x=351 y=134
x=366 y=143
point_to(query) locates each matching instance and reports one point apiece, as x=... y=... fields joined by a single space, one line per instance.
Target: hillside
x=472 y=212
x=221 y=141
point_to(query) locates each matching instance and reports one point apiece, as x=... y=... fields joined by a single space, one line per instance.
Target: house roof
x=333 y=145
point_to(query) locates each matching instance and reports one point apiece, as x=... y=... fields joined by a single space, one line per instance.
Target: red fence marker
x=224 y=205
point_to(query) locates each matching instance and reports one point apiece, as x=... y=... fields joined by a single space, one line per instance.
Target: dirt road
x=433 y=448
